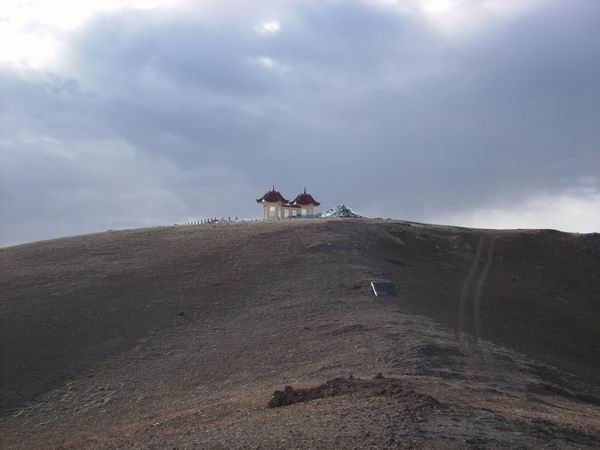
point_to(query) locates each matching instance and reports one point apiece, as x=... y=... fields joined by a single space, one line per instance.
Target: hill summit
x=267 y=334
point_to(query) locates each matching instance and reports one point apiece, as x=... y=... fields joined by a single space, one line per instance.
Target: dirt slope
x=178 y=337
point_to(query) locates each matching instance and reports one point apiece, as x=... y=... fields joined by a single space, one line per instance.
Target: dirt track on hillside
x=178 y=337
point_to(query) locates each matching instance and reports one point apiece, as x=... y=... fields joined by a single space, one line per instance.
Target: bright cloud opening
x=270 y=64
x=268 y=28
x=456 y=17
x=32 y=31
x=562 y=212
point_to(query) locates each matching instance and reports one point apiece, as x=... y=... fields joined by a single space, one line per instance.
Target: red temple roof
x=304 y=199
x=272 y=196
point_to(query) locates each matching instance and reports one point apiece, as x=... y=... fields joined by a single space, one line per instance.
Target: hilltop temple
x=276 y=207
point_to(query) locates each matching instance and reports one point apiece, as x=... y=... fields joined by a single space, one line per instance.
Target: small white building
x=275 y=206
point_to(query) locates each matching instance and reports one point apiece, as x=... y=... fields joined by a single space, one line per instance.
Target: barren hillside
x=179 y=336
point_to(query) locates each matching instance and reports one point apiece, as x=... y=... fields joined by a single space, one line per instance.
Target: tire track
x=480 y=285
x=464 y=296
x=472 y=290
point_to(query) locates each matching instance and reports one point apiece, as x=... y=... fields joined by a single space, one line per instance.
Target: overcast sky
x=136 y=113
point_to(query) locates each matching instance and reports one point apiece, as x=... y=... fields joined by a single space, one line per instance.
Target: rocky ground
x=267 y=335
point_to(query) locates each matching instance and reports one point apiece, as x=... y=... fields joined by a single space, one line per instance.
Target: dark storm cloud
x=182 y=116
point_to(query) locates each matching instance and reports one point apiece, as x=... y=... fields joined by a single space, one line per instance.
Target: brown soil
x=177 y=337
x=390 y=387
